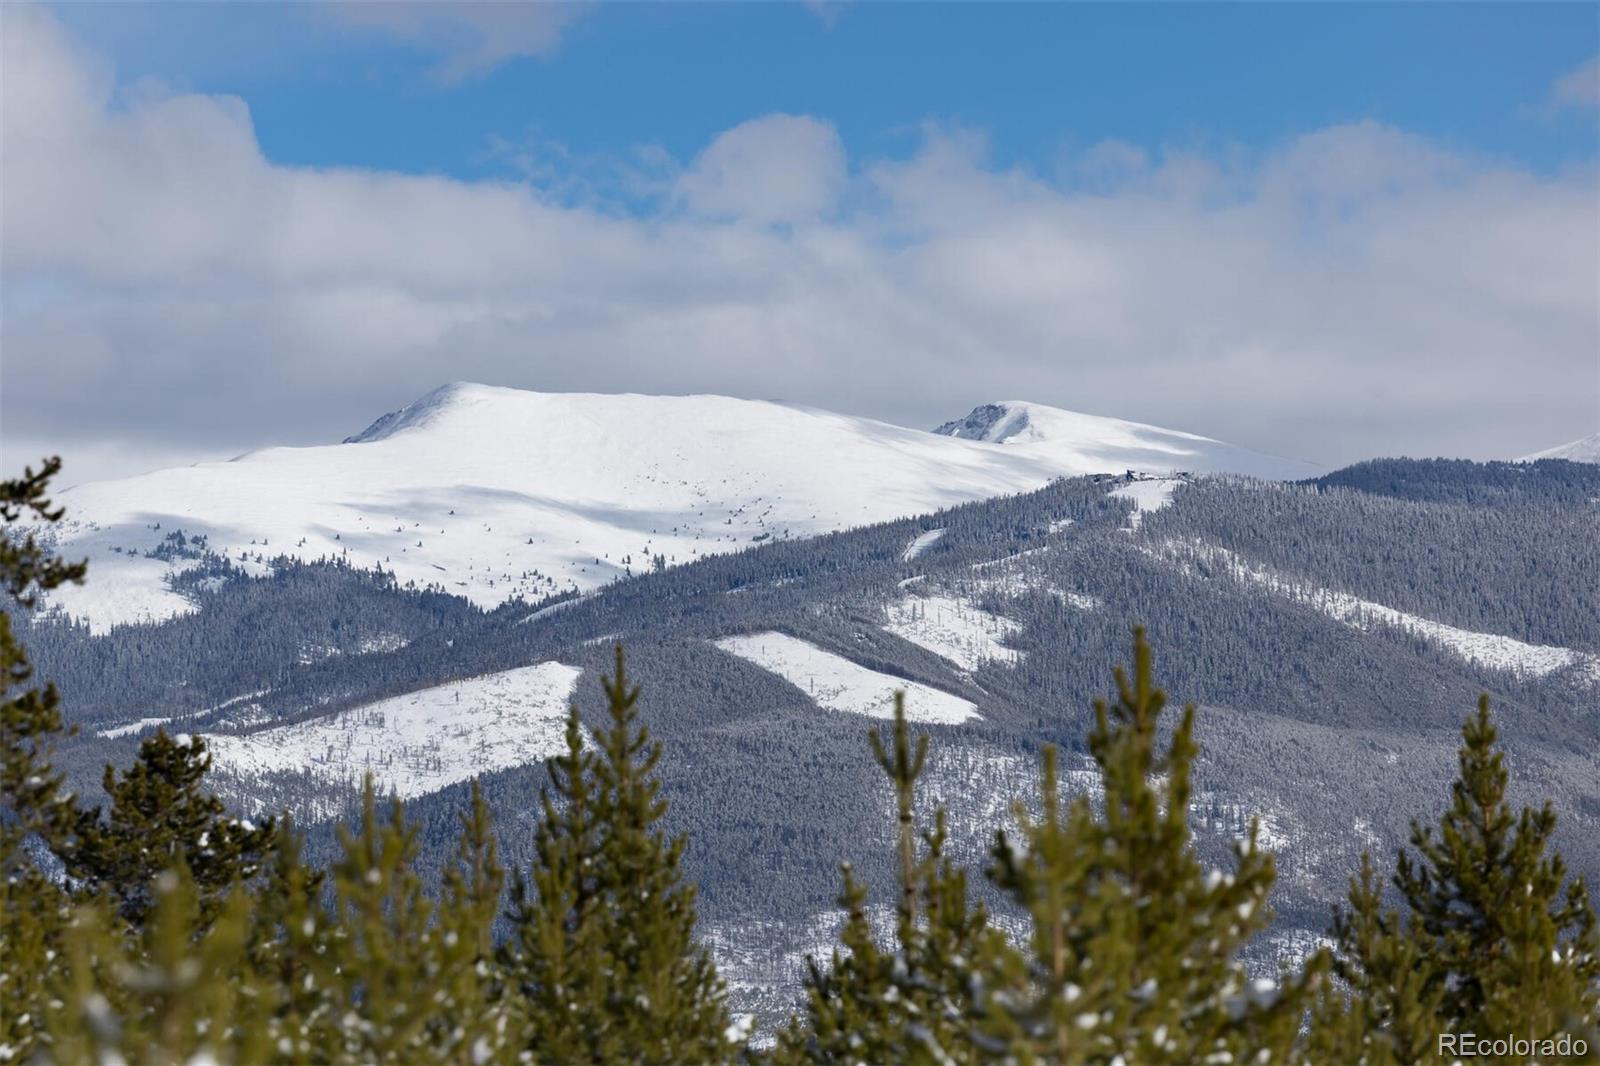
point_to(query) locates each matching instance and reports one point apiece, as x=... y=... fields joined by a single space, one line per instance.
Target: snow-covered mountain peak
x=1099 y=444
x=1583 y=450
x=442 y=402
x=494 y=493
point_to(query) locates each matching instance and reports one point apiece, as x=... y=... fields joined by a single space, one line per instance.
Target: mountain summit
x=1093 y=443
x=496 y=493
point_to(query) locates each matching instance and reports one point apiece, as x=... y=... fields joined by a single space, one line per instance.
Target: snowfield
x=131 y=728
x=423 y=741
x=957 y=630
x=1147 y=494
x=837 y=684
x=1092 y=444
x=1488 y=650
x=494 y=493
x=921 y=543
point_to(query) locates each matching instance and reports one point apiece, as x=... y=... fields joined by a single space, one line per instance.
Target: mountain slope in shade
x=1583 y=450
x=1093 y=444
x=495 y=493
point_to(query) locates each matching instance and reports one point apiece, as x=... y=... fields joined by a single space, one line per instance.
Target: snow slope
x=422 y=741
x=921 y=543
x=1490 y=650
x=1093 y=444
x=955 y=629
x=838 y=684
x=1147 y=494
x=1585 y=450
x=493 y=493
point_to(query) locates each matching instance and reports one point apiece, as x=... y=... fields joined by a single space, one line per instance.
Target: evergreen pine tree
x=33 y=908
x=1135 y=947
x=386 y=969
x=161 y=817
x=1387 y=1010
x=603 y=949
x=1496 y=940
x=554 y=956
x=919 y=1003
x=476 y=1021
x=295 y=950
x=180 y=990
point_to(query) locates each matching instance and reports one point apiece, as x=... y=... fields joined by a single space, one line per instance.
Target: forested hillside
x=1331 y=632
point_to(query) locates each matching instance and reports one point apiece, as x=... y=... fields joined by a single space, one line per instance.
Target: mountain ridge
x=1582 y=450
x=495 y=493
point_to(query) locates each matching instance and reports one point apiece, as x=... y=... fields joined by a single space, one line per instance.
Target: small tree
x=161 y=817
x=603 y=949
x=386 y=970
x=1387 y=1010
x=1495 y=939
x=176 y=991
x=1134 y=945
x=922 y=1001
x=33 y=909
x=295 y=949
x=477 y=1021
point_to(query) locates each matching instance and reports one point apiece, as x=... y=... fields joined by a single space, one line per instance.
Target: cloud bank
x=1356 y=291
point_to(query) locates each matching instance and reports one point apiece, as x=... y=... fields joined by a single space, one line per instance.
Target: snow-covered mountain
x=1092 y=444
x=1583 y=450
x=494 y=493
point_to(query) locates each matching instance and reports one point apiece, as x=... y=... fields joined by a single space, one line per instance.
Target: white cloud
x=1357 y=291
x=1580 y=87
x=473 y=36
x=778 y=168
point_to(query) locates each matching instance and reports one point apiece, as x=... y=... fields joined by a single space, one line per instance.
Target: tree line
x=161 y=928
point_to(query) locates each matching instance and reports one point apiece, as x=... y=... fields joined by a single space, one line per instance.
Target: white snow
x=1489 y=650
x=1147 y=494
x=1583 y=450
x=141 y=724
x=546 y=612
x=495 y=493
x=1013 y=577
x=1095 y=444
x=955 y=629
x=921 y=543
x=133 y=727
x=422 y=741
x=838 y=684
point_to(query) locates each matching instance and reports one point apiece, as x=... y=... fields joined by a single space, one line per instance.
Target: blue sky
x=1328 y=231
x=1035 y=78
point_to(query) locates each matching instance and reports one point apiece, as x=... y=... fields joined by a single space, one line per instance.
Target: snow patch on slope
x=1147 y=494
x=1011 y=576
x=1489 y=650
x=423 y=741
x=838 y=684
x=921 y=543
x=955 y=629
x=138 y=726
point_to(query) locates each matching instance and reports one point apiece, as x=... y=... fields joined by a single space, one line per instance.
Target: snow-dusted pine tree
x=922 y=1000
x=1135 y=946
x=33 y=908
x=1495 y=939
x=603 y=952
